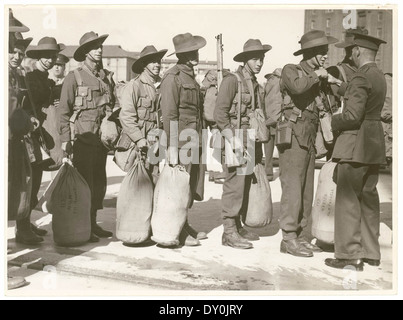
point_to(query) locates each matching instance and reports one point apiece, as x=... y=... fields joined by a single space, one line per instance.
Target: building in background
x=377 y=22
x=120 y=61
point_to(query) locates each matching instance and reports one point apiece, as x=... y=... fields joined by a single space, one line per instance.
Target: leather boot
x=357 y=264
x=24 y=233
x=38 y=231
x=96 y=229
x=232 y=238
x=245 y=233
x=295 y=248
x=195 y=234
x=187 y=240
x=372 y=262
x=309 y=246
x=15 y=282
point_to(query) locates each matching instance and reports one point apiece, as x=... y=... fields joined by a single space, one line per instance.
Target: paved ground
x=110 y=268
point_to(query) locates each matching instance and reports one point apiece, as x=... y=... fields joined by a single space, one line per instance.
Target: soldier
x=19 y=125
x=236 y=186
x=181 y=104
x=386 y=117
x=59 y=69
x=87 y=97
x=139 y=101
x=359 y=150
x=272 y=103
x=301 y=85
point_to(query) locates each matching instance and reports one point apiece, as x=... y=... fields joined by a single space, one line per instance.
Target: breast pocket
x=189 y=94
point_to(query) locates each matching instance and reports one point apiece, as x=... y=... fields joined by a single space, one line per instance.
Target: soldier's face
x=96 y=54
x=154 y=67
x=355 y=55
x=321 y=56
x=193 y=57
x=58 y=70
x=15 y=58
x=48 y=61
x=255 y=64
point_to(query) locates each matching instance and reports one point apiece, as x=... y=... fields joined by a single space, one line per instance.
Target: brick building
x=377 y=22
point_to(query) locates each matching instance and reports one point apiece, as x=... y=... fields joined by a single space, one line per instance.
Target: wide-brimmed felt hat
x=276 y=72
x=149 y=52
x=88 y=41
x=62 y=59
x=250 y=47
x=186 y=42
x=366 y=41
x=19 y=41
x=349 y=38
x=15 y=25
x=314 y=39
x=45 y=45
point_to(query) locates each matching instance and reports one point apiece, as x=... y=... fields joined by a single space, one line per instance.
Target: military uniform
x=236 y=187
x=272 y=97
x=360 y=149
x=139 y=114
x=297 y=163
x=87 y=97
x=181 y=101
x=386 y=117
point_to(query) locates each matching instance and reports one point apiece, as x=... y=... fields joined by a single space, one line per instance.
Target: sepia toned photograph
x=200 y=150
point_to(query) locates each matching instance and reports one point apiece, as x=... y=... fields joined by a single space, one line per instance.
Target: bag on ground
x=260 y=206
x=324 y=205
x=135 y=205
x=44 y=200
x=171 y=198
x=70 y=204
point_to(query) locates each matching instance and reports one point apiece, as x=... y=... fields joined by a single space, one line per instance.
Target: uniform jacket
x=361 y=134
x=90 y=104
x=138 y=107
x=226 y=110
x=273 y=99
x=19 y=118
x=303 y=88
x=181 y=101
x=349 y=71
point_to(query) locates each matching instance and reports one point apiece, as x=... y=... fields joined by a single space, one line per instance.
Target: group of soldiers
x=87 y=95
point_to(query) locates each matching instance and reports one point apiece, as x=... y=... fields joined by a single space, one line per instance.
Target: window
x=313 y=24
x=379 y=33
x=328 y=23
x=380 y=16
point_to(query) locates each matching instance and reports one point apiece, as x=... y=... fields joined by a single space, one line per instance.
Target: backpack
x=273 y=98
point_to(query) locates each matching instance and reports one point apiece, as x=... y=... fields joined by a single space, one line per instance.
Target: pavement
x=112 y=269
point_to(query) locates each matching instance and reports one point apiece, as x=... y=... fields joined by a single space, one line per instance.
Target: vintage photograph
x=200 y=150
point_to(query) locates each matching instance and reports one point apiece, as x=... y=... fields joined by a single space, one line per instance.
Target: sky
x=134 y=27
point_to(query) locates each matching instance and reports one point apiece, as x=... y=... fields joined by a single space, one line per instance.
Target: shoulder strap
x=239 y=98
x=77 y=75
x=342 y=72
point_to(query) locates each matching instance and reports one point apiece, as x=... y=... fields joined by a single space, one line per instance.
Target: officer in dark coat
x=182 y=104
x=226 y=114
x=359 y=149
x=87 y=97
x=300 y=85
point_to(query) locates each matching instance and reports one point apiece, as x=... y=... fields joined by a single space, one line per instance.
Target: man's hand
x=321 y=73
x=333 y=80
x=142 y=144
x=67 y=147
x=35 y=122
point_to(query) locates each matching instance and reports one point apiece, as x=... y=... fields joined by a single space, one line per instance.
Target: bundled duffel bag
x=171 y=198
x=324 y=205
x=70 y=205
x=135 y=205
x=260 y=206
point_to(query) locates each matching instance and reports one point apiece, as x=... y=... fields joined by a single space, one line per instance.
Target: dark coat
x=361 y=134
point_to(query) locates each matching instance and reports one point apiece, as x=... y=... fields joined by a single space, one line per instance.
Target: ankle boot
x=232 y=238
x=24 y=234
x=187 y=240
x=245 y=233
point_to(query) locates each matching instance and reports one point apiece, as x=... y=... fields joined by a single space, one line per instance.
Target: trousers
x=357 y=212
x=90 y=162
x=236 y=189
x=297 y=170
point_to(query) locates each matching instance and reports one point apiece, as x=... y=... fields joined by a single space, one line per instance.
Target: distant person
x=272 y=102
x=359 y=150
